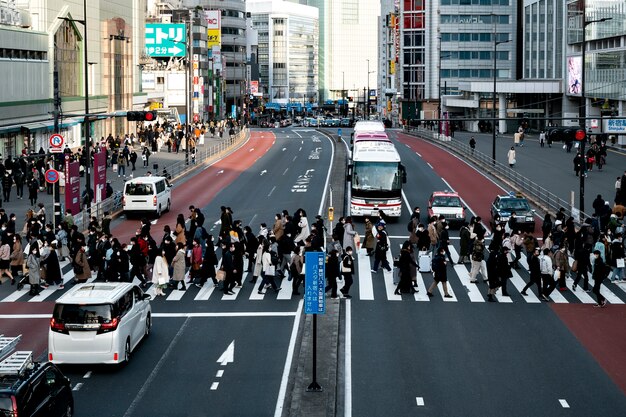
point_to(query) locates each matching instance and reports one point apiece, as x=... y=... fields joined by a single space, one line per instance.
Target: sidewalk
x=163 y=159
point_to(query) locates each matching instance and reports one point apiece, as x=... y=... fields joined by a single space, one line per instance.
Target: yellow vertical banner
x=214 y=38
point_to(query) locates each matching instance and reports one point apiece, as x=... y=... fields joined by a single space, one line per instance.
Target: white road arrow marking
x=264 y=172
x=228 y=356
x=221 y=171
x=309 y=170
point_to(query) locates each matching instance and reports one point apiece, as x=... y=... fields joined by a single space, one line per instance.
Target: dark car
x=31 y=389
x=504 y=205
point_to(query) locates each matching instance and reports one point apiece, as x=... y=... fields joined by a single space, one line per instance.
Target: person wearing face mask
x=178 y=267
x=406 y=263
x=53 y=269
x=34 y=266
x=347 y=271
x=160 y=274
x=444 y=240
x=61 y=238
x=11 y=224
x=369 y=241
x=17 y=256
x=209 y=262
x=599 y=274
x=464 y=248
x=423 y=238
x=5 y=259
x=82 y=271
x=296 y=271
x=196 y=263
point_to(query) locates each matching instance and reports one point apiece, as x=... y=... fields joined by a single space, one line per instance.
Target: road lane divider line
x=215 y=315
x=77 y=386
x=419 y=401
x=280 y=401
x=348 y=362
x=473 y=291
x=564 y=403
x=366 y=287
x=214 y=386
x=219 y=373
x=157 y=368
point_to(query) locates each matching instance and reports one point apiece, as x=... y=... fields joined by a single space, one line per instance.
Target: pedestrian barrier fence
x=172 y=171
x=535 y=193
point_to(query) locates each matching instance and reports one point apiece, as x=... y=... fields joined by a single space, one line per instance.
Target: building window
x=350 y=12
x=66 y=57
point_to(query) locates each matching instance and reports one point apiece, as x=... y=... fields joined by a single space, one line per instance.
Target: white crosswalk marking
x=176 y=295
x=390 y=288
x=68 y=276
x=472 y=289
x=519 y=283
x=604 y=290
x=205 y=292
x=366 y=287
x=556 y=296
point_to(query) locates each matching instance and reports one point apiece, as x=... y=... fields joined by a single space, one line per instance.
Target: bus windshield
x=384 y=176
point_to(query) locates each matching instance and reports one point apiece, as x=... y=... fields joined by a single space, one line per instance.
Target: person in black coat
x=423 y=239
x=138 y=260
x=229 y=266
x=405 y=263
x=504 y=269
x=53 y=269
x=492 y=272
x=332 y=272
x=209 y=262
x=252 y=244
x=599 y=273
x=444 y=240
x=535 y=271
x=581 y=257
x=440 y=273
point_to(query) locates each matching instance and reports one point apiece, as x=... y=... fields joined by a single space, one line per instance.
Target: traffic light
x=141 y=116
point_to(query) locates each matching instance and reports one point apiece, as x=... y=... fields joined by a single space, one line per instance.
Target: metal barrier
x=174 y=170
x=535 y=193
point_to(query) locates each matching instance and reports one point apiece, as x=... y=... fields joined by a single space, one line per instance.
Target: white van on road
x=98 y=323
x=147 y=195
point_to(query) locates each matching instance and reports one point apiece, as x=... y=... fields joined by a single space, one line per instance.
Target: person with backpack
x=478 y=255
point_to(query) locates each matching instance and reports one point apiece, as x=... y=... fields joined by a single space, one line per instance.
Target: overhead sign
x=615 y=125
x=56 y=142
x=165 y=40
x=52 y=176
x=315 y=283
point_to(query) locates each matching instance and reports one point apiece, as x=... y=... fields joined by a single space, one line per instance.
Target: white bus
x=376 y=175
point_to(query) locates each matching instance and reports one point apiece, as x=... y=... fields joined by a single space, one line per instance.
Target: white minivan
x=98 y=323
x=147 y=194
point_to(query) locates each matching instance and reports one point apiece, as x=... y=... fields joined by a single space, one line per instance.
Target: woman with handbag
x=82 y=271
x=405 y=264
x=33 y=271
x=268 y=270
x=178 y=267
x=208 y=264
x=196 y=260
x=160 y=273
x=17 y=256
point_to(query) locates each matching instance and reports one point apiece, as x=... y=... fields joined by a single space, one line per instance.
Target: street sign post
x=165 y=40
x=56 y=142
x=315 y=301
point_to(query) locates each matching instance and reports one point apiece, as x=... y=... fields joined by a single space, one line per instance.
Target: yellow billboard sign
x=214 y=38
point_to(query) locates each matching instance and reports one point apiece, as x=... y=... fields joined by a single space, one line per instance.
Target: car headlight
x=529 y=218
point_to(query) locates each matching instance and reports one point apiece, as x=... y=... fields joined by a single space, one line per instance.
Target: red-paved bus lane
x=31 y=320
x=602 y=332
x=475 y=189
x=201 y=188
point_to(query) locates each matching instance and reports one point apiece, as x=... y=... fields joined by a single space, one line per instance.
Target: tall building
x=233 y=48
x=287 y=50
x=388 y=61
x=348 y=41
x=43 y=47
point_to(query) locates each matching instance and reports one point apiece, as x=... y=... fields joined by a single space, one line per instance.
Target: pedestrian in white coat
x=511 y=157
x=160 y=274
x=348 y=233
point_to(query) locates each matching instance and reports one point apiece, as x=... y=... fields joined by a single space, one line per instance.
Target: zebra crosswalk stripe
x=472 y=289
x=366 y=287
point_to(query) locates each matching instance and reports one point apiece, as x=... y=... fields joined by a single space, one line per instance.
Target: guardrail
x=174 y=170
x=536 y=194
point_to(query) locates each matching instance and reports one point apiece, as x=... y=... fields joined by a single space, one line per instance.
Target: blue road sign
x=315 y=283
x=165 y=39
x=52 y=176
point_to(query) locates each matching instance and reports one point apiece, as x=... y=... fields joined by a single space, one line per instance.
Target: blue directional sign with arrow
x=165 y=40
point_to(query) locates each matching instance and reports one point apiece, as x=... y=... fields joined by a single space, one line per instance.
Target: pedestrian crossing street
x=368 y=286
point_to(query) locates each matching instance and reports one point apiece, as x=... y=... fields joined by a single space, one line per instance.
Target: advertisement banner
x=574 y=75
x=72 y=185
x=165 y=39
x=213 y=19
x=213 y=38
x=254 y=87
x=99 y=175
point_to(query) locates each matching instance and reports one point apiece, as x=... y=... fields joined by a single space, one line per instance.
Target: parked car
x=504 y=205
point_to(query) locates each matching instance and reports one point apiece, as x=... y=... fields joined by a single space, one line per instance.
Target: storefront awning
x=40 y=125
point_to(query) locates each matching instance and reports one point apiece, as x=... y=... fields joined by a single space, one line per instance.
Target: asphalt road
x=460 y=357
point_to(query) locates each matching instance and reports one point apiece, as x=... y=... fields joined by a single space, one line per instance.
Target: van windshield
x=83 y=314
x=139 y=189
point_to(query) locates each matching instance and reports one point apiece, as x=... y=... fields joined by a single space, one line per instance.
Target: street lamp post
x=583 y=107
x=495 y=75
